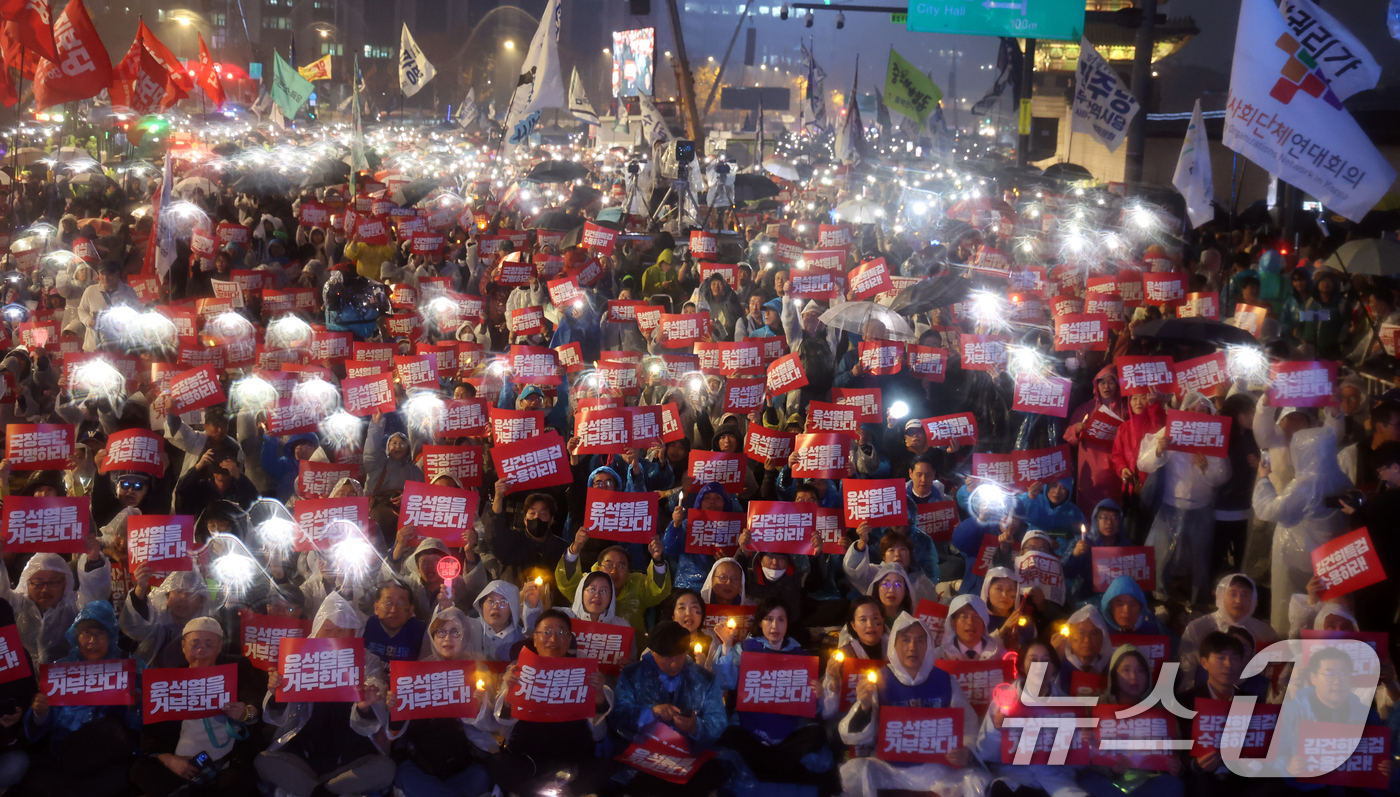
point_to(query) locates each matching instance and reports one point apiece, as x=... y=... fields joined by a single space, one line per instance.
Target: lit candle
x=480 y=685
x=1021 y=621
x=539 y=581
x=840 y=657
x=872 y=677
x=699 y=648
x=732 y=623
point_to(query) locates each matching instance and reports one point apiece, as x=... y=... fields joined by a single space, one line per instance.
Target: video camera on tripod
x=675 y=159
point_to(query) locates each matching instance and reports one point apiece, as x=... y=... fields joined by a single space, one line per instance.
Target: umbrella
x=557 y=171
x=1374 y=256
x=555 y=220
x=27 y=155
x=1067 y=171
x=262 y=181
x=90 y=178
x=614 y=215
x=190 y=184
x=859 y=211
x=852 y=317
x=68 y=154
x=575 y=236
x=406 y=196
x=226 y=149
x=757 y=186
x=925 y=295
x=4 y=178
x=1196 y=330
x=326 y=172
x=783 y=169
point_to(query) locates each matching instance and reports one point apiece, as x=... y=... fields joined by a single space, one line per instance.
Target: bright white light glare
x=278 y=533
x=422 y=412
x=116 y=322
x=288 y=332
x=252 y=393
x=235 y=572
x=988 y=500
x=353 y=556
x=989 y=309
x=1246 y=362
x=899 y=410
x=342 y=430
x=101 y=379
x=1024 y=359
x=230 y=325
x=317 y=392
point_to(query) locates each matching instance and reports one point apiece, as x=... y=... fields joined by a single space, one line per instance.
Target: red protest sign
x=663 y=761
x=1040 y=465
x=374 y=352
x=744 y=358
x=879 y=502
x=321 y=670
x=187 y=693
x=1047 y=748
x=812 y=283
x=777 y=683
x=1198 y=433
x=552 y=689
x=14 y=664
x=622 y=311
x=1305 y=384
x=462 y=463
x=708 y=532
x=532 y=463
x=43 y=446
x=563 y=291
x=1135 y=562
x=671 y=423
x=438 y=510
x=1321 y=746
x=294 y=416
x=1347 y=564
x=936 y=519
x=853 y=670
x=727 y=271
x=1142 y=374
x=645 y=426
x=833 y=235
x=619 y=516
x=1164 y=288
x=837 y=418
x=726 y=469
x=598 y=237
x=322 y=522
x=682 y=331
x=786 y=374
x=1041 y=394
x=718 y=613
x=525 y=321
x=1155 y=724
x=1202 y=374
x=703 y=243
x=830 y=531
x=762 y=444
x=465 y=417
x=1200 y=305
x=319 y=479
x=821 y=456
x=54 y=524
x=417 y=370
x=1154 y=647
x=1075 y=331
x=866 y=402
x=772 y=348
x=984 y=352
x=262 y=635
x=1213 y=729
x=1043 y=571
x=786 y=250
x=534 y=365
x=1100 y=428
x=609 y=645
x=978 y=679
x=603 y=432
x=620 y=377
x=870 y=279
x=880 y=357
x=434 y=689
x=782 y=526
x=162 y=541
x=985 y=552
x=920 y=735
x=743 y=396
x=195 y=389
x=511 y=426
x=108 y=682
x=929 y=363
x=367 y=395
x=1250 y=318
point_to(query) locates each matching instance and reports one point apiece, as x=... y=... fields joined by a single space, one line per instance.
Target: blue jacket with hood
x=60 y=721
x=281 y=464
x=690 y=569
x=557 y=416
x=1061 y=521
x=1079 y=574
x=1147 y=622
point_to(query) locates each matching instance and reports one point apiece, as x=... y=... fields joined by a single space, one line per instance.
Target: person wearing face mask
x=774 y=574
x=1129 y=683
x=1236 y=599
x=522 y=541
x=666 y=688
x=447 y=755
x=908 y=678
x=968 y=621
x=862 y=637
x=334 y=748
x=155 y=617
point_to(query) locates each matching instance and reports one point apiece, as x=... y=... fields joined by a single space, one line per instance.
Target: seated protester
x=83 y=750
x=45 y=602
x=1236 y=599
x=392 y=633
x=968 y=620
x=1222 y=656
x=1029 y=779
x=1006 y=608
x=217 y=477
x=418 y=571
x=773 y=574
x=282 y=461
x=1105 y=530
x=594 y=602
x=534 y=752
x=923 y=486
x=862 y=637
x=155 y=617
x=1125 y=611
x=890 y=588
x=14 y=753
x=724 y=586
x=1129 y=683
x=1047 y=506
x=497 y=624
x=197 y=444
x=690 y=568
x=1084 y=649
x=687 y=609
x=908 y=679
x=522 y=542
x=332 y=748
x=1326 y=696
x=988 y=517
x=778 y=748
x=1329 y=616
x=667 y=688
x=894 y=547
x=167 y=748
x=635 y=592
x=446 y=755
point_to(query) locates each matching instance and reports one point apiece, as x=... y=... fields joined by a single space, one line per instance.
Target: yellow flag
x=320 y=69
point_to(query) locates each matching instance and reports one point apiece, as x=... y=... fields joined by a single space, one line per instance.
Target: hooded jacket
x=692 y=569
x=383 y=473
x=1096 y=476
x=863 y=573
x=639 y=592
x=280 y=463
x=60 y=721
x=484 y=643
x=1079 y=574
x=1128 y=443
x=411 y=574
x=1220 y=620
x=1062 y=520
x=149 y=622
x=44 y=633
x=768 y=728
x=1070 y=663
x=643 y=685
x=1147 y=622
x=950 y=649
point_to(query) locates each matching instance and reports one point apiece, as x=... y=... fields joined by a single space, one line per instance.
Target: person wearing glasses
x=45 y=599
x=497 y=625
x=447 y=755
x=635 y=592
x=891 y=588
x=393 y=633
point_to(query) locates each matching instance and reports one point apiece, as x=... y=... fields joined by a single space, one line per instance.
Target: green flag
x=908 y=91
x=289 y=89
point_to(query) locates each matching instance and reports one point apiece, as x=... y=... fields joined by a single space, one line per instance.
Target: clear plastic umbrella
x=781 y=168
x=854 y=316
x=859 y=211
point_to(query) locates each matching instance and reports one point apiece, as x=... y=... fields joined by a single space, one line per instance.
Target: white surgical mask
x=773 y=575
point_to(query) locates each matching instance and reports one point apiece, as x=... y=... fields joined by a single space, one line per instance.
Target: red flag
x=15 y=56
x=208 y=75
x=32 y=27
x=167 y=60
x=8 y=94
x=82 y=69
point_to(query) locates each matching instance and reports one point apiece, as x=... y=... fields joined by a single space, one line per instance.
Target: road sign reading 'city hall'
x=1032 y=19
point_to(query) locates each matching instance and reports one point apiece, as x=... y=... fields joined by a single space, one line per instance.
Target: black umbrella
x=262 y=181
x=1067 y=171
x=575 y=236
x=925 y=295
x=758 y=186
x=555 y=220
x=557 y=171
x=226 y=149
x=326 y=172
x=1195 y=330
x=407 y=196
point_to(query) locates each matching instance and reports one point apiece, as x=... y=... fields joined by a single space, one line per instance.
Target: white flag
x=468 y=112
x=653 y=123
x=1344 y=61
x=578 y=101
x=278 y=118
x=1282 y=116
x=164 y=226
x=540 y=85
x=1103 y=106
x=1192 y=176
x=414 y=69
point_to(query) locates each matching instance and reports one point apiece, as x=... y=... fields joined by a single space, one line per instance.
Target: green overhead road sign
x=1030 y=19
x=899 y=19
